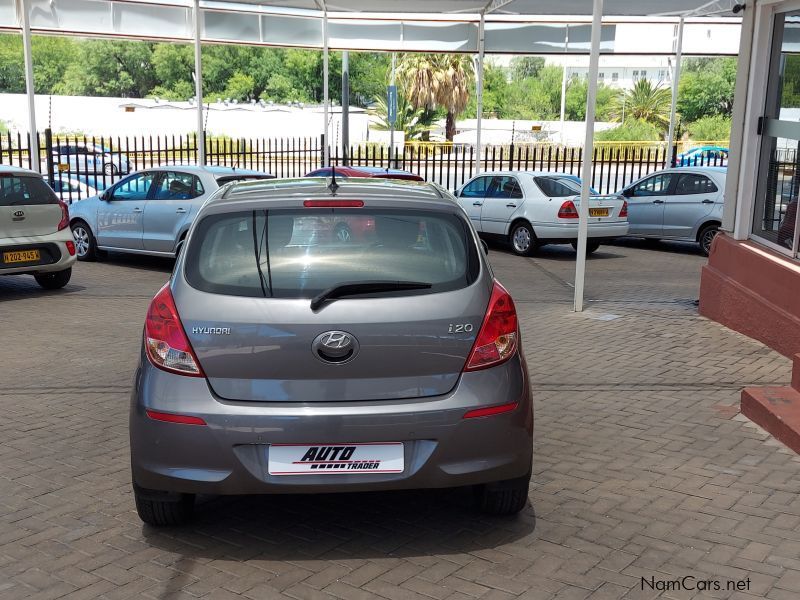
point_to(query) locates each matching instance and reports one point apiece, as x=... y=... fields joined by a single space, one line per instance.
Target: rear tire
x=590 y=246
x=522 y=239
x=109 y=169
x=54 y=281
x=85 y=244
x=706 y=237
x=165 y=513
x=503 y=497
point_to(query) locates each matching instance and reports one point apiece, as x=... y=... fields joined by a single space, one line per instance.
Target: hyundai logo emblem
x=335 y=347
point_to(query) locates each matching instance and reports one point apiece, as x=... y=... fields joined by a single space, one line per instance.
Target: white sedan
x=531 y=208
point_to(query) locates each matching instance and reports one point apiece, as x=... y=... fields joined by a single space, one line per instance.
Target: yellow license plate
x=598 y=212
x=21 y=256
x=63 y=167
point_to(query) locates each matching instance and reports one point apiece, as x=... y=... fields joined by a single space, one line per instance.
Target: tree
x=410 y=120
x=110 y=68
x=12 y=71
x=240 y=87
x=577 y=91
x=706 y=88
x=433 y=80
x=523 y=67
x=644 y=102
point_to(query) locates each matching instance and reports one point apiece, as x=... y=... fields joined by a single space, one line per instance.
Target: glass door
x=776 y=219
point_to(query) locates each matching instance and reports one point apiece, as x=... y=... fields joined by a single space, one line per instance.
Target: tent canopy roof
x=454 y=8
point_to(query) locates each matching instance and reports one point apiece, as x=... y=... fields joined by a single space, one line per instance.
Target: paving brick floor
x=645 y=472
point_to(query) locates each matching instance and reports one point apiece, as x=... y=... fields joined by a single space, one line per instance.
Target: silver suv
x=35 y=238
x=282 y=358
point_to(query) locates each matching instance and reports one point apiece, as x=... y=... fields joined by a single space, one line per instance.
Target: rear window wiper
x=365 y=287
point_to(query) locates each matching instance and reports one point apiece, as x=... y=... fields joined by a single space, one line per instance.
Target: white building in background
x=627 y=65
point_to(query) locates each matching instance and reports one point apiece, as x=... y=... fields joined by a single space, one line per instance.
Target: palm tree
x=644 y=102
x=409 y=119
x=433 y=80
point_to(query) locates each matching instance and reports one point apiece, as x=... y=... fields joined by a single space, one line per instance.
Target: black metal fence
x=77 y=166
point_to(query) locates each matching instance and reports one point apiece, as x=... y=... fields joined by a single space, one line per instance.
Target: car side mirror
x=485 y=247
x=105 y=195
x=457 y=193
x=628 y=193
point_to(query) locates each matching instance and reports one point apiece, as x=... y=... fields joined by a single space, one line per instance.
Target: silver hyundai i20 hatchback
x=284 y=357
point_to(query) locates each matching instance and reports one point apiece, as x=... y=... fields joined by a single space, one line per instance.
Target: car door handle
x=658 y=202
x=137 y=210
x=511 y=205
x=707 y=201
x=477 y=204
x=181 y=211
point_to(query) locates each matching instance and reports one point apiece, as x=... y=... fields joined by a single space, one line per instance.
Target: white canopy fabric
x=515 y=27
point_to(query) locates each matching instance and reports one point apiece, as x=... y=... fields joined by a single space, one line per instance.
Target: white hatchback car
x=34 y=229
x=532 y=208
x=678 y=204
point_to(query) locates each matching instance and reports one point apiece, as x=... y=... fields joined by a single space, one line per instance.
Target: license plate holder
x=21 y=256
x=598 y=212
x=335 y=459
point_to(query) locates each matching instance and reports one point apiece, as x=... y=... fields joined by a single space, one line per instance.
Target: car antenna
x=333 y=186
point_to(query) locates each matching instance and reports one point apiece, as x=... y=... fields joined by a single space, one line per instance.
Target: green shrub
x=631 y=130
x=714 y=128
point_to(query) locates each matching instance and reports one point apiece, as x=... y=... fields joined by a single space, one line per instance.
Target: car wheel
x=503 y=497
x=522 y=239
x=54 y=281
x=343 y=234
x=164 y=513
x=590 y=246
x=109 y=169
x=85 y=244
x=706 y=237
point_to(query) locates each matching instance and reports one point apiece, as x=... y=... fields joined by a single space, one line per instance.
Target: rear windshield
x=303 y=252
x=557 y=187
x=24 y=190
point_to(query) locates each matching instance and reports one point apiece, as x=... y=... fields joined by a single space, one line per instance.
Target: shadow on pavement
x=340 y=526
x=140 y=262
x=674 y=247
x=20 y=287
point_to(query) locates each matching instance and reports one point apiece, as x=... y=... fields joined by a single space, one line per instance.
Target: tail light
x=568 y=210
x=70 y=247
x=64 y=222
x=624 y=211
x=166 y=343
x=497 y=338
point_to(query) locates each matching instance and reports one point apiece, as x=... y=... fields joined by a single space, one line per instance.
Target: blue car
x=703 y=156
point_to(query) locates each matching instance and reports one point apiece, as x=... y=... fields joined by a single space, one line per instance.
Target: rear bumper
x=52 y=246
x=230 y=455
x=568 y=232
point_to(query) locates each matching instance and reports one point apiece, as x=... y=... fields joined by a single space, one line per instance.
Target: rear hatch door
x=258 y=339
x=28 y=207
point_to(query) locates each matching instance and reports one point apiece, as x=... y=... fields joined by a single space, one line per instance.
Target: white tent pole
x=676 y=75
x=198 y=85
x=479 y=94
x=325 y=91
x=588 y=145
x=564 y=88
x=29 y=89
x=393 y=84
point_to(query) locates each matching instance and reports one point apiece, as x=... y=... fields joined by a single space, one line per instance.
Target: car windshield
x=557 y=187
x=300 y=253
x=25 y=191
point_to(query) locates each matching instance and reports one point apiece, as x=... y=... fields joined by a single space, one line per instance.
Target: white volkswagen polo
x=533 y=208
